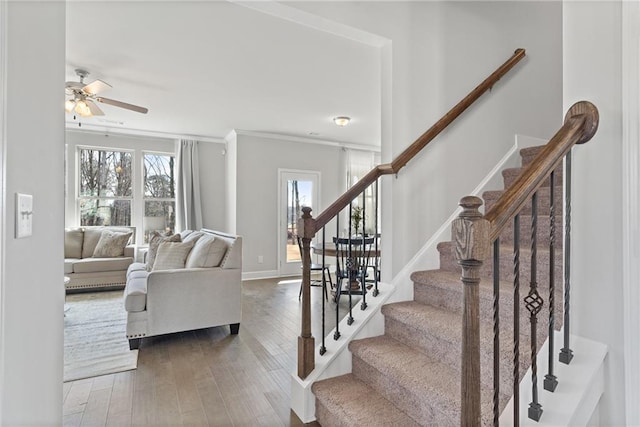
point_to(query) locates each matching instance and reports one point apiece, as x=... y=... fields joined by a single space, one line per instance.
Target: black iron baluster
x=565 y=353
x=496 y=331
x=533 y=302
x=350 y=266
x=376 y=235
x=550 y=380
x=516 y=321
x=363 y=271
x=323 y=348
x=336 y=299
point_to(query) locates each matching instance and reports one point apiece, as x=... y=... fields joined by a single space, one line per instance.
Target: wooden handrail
x=422 y=141
x=580 y=124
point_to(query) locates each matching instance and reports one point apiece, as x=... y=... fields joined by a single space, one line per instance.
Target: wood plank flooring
x=208 y=377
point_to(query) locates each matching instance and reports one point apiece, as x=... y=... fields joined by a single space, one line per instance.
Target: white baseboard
x=256 y=275
x=580 y=385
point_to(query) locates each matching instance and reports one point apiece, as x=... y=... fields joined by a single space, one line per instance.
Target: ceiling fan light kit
x=85 y=96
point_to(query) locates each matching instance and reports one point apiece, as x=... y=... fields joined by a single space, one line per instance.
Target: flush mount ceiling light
x=341 y=120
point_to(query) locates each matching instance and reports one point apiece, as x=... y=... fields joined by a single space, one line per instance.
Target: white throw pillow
x=154 y=242
x=111 y=244
x=172 y=255
x=207 y=252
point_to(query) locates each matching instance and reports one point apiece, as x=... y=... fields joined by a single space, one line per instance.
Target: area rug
x=95 y=340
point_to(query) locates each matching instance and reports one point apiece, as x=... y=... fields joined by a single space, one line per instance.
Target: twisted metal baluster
x=323 y=348
x=534 y=303
x=565 y=353
x=550 y=380
x=496 y=331
x=516 y=321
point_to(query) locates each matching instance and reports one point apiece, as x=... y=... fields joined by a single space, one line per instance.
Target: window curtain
x=188 y=204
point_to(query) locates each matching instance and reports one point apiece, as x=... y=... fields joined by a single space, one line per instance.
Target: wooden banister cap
x=591 y=115
x=470 y=205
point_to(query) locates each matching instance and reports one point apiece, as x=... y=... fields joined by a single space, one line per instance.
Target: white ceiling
x=205 y=68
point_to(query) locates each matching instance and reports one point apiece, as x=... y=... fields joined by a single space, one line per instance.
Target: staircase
x=411 y=374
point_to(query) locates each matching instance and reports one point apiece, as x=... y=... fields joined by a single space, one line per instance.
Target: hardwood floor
x=207 y=377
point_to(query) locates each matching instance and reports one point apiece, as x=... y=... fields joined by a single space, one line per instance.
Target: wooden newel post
x=306 y=342
x=470 y=235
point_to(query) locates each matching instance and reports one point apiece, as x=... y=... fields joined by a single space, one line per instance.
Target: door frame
x=283 y=268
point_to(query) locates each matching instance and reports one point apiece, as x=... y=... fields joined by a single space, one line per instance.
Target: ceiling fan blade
x=122 y=105
x=95 y=87
x=95 y=110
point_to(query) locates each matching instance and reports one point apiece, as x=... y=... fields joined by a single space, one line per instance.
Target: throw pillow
x=172 y=255
x=154 y=243
x=73 y=242
x=111 y=244
x=207 y=252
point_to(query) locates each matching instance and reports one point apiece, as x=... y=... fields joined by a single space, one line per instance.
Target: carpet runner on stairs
x=410 y=376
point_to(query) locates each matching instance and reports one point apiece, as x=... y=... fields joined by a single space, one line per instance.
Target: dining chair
x=316 y=267
x=353 y=260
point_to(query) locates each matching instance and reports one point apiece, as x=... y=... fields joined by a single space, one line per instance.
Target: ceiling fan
x=83 y=97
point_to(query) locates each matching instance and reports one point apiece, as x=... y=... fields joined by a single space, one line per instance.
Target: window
x=159 y=194
x=105 y=192
x=127 y=188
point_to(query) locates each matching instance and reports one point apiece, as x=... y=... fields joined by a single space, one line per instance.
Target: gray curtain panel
x=188 y=204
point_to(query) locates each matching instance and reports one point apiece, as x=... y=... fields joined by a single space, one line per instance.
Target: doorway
x=298 y=188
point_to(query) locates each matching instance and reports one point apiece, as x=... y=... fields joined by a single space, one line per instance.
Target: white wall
x=592 y=71
x=32 y=298
x=258 y=161
x=213 y=178
x=440 y=52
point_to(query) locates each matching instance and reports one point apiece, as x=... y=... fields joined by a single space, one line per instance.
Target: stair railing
x=308 y=226
x=476 y=236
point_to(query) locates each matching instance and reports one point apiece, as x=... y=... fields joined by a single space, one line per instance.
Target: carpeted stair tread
x=491 y=197
x=543 y=235
x=443 y=289
x=347 y=401
x=448 y=262
x=426 y=389
x=509 y=176
x=437 y=332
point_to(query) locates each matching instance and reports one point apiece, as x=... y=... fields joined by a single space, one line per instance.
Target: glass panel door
x=298 y=189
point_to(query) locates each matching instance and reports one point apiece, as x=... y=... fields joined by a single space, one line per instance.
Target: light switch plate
x=24 y=215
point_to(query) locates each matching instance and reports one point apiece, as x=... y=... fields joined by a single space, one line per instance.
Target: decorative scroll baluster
x=470 y=234
x=323 y=348
x=516 y=320
x=496 y=331
x=565 y=353
x=550 y=380
x=533 y=302
x=306 y=342
x=349 y=265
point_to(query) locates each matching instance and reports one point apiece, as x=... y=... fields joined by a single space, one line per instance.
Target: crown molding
x=305 y=140
x=92 y=128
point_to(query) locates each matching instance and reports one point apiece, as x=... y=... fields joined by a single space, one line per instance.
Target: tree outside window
x=159 y=194
x=105 y=191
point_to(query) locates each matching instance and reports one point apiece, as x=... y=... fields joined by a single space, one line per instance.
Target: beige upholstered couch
x=204 y=292
x=89 y=272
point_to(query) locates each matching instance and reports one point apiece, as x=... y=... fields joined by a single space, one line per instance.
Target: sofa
x=97 y=257
x=191 y=280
